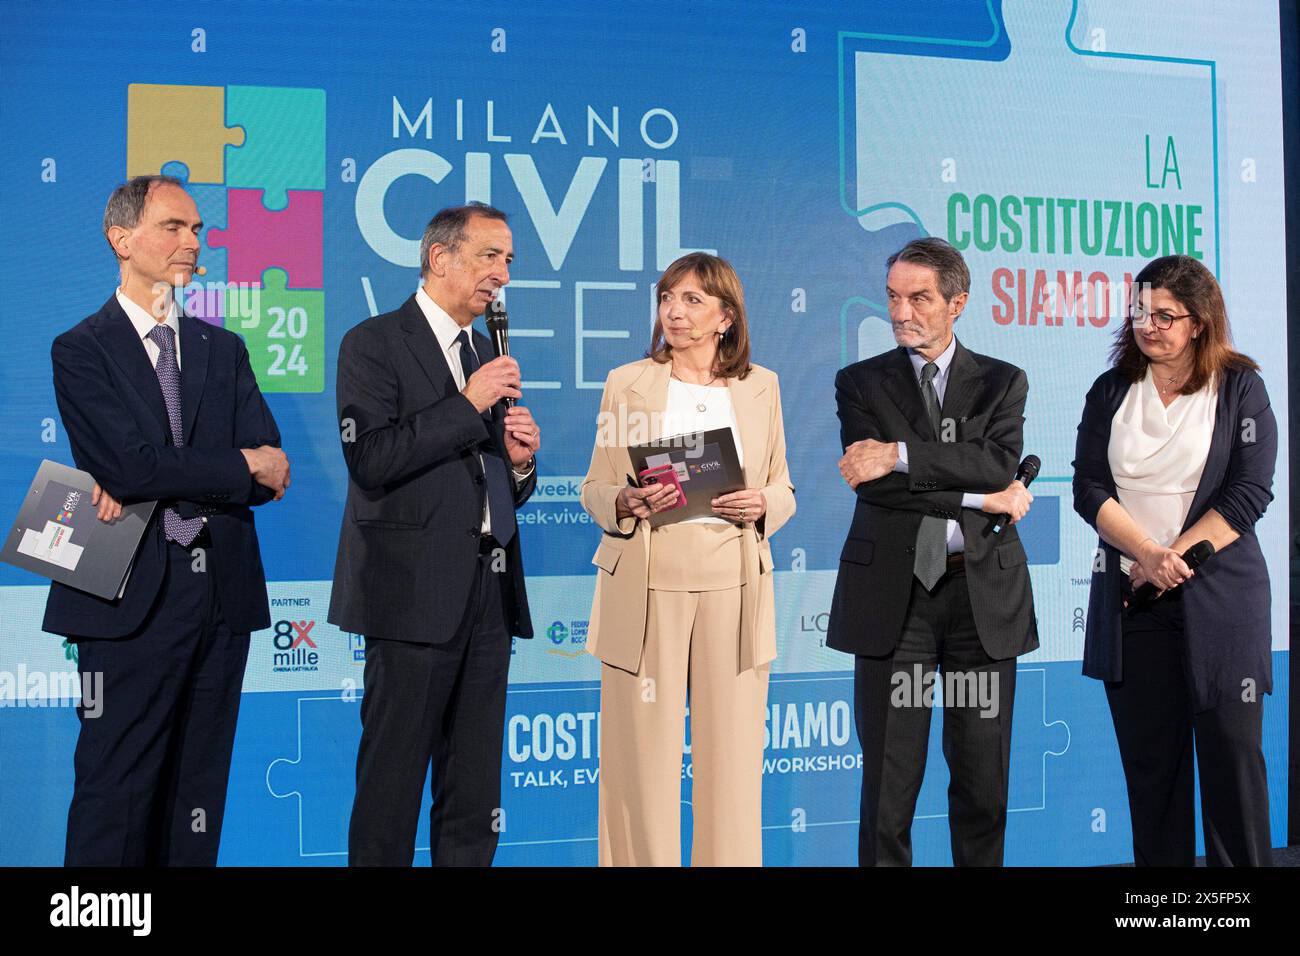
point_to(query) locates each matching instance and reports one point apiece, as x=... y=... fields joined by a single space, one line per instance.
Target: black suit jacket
x=1227 y=606
x=409 y=543
x=985 y=399
x=116 y=421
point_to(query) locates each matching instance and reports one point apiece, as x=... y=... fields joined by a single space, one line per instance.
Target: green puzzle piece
x=284 y=331
x=284 y=140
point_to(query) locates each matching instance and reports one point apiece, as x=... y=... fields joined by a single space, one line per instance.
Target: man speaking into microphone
x=429 y=567
x=932 y=435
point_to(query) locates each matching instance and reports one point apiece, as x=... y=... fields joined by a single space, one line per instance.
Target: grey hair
x=126 y=204
x=447 y=228
x=947 y=262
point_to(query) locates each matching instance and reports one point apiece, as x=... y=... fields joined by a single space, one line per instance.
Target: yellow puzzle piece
x=185 y=124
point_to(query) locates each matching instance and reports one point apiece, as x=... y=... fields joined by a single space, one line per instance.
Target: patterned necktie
x=932 y=537
x=500 y=495
x=181 y=530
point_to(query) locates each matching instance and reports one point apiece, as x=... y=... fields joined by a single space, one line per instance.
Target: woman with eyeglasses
x=1177 y=446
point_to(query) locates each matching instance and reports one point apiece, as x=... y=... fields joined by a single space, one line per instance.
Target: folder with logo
x=706 y=464
x=58 y=533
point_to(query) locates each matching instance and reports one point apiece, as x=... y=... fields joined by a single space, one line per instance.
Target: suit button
x=911 y=550
x=478 y=479
x=474 y=532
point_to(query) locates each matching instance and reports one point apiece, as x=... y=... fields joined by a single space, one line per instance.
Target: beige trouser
x=692 y=645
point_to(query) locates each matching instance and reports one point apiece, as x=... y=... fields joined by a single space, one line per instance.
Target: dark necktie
x=500 y=495
x=932 y=537
x=181 y=530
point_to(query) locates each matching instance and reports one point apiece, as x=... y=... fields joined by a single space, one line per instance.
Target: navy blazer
x=408 y=547
x=1226 y=603
x=116 y=421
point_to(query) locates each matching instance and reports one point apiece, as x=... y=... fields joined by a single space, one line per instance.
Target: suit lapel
x=425 y=347
x=194 y=370
x=648 y=399
x=1216 y=460
x=901 y=386
x=965 y=382
x=649 y=391
x=751 y=400
x=119 y=339
x=640 y=420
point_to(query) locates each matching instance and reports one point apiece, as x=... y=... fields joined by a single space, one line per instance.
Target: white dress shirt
x=1157 y=455
x=145 y=323
x=956 y=541
x=446 y=330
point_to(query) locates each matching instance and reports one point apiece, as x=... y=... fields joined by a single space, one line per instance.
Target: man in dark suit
x=158 y=405
x=932 y=436
x=429 y=566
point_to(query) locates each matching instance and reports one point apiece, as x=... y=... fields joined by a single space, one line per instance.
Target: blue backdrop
x=1060 y=144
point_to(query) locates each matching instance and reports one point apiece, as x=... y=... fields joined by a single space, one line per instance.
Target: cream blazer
x=635 y=393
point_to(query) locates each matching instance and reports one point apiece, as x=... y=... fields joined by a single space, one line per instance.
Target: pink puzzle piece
x=257 y=238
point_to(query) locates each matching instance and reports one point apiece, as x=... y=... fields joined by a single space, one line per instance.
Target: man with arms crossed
x=161 y=406
x=429 y=566
x=932 y=436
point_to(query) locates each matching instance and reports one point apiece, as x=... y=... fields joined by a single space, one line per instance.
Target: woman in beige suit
x=690 y=604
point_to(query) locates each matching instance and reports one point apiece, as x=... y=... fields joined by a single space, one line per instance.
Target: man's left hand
x=523 y=437
x=868 y=460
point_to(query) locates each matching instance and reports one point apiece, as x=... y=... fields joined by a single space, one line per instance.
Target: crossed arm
x=941 y=476
x=106 y=441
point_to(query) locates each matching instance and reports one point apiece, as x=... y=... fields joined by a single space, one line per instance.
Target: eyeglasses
x=1161 y=320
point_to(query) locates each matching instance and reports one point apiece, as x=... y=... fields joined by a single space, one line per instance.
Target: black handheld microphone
x=498 y=325
x=1026 y=474
x=1193 y=557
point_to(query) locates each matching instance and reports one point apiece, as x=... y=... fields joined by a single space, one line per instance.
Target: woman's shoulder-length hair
x=716 y=278
x=1198 y=292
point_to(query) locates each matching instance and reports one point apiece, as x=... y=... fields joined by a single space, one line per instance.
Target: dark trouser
x=1156 y=728
x=152 y=768
x=441 y=705
x=894 y=730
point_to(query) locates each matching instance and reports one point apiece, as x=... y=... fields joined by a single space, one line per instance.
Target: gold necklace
x=699 y=405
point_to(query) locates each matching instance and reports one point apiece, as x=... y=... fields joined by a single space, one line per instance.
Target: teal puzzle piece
x=284 y=144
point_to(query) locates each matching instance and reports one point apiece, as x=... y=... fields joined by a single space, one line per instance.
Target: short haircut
x=447 y=228
x=947 y=263
x=126 y=204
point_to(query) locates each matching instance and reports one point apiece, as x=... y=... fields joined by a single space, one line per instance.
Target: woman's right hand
x=643 y=502
x=1163 y=567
